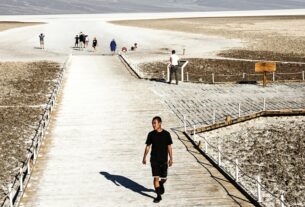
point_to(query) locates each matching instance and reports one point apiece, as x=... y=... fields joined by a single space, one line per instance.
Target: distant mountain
x=13 y=7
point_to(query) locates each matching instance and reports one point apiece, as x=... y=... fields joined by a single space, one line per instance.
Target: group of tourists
x=82 y=41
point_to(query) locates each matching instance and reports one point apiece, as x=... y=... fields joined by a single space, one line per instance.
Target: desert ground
x=25 y=88
x=272 y=148
x=261 y=38
x=10 y=25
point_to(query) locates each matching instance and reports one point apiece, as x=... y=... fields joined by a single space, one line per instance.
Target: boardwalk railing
x=231 y=168
x=16 y=189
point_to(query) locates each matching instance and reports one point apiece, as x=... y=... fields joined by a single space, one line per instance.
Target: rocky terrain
x=272 y=148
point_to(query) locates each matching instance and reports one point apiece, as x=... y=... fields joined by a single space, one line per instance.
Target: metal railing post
x=282 y=201
x=10 y=194
x=29 y=165
x=219 y=155
x=187 y=76
x=184 y=122
x=273 y=76
x=303 y=75
x=194 y=133
x=213 y=78
x=182 y=74
x=206 y=146
x=168 y=72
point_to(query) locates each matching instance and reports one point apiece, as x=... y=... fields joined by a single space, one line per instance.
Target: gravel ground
x=225 y=70
x=271 y=147
x=25 y=88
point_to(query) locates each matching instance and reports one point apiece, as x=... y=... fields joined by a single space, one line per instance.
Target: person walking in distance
x=160 y=140
x=41 y=40
x=94 y=43
x=174 y=62
x=86 y=41
x=113 y=46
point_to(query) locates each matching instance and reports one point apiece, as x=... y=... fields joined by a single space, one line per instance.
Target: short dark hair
x=173 y=51
x=158 y=118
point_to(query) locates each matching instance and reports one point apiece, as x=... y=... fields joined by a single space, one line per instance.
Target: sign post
x=264 y=67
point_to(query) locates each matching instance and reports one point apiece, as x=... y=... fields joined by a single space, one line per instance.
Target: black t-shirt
x=159 y=142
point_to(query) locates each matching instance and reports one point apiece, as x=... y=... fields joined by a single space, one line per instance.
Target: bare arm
x=146 y=151
x=170 y=153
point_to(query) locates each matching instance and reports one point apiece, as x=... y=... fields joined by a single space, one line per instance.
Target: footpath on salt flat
x=92 y=154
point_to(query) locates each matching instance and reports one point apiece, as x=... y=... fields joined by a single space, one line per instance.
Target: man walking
x=161 y=142
x=113 y=47
x=174 y=61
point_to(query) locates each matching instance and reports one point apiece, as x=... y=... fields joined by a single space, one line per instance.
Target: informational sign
x=262 y=67
x=265 y=67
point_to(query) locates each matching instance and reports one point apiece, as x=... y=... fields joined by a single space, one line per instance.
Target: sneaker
x=158 y=199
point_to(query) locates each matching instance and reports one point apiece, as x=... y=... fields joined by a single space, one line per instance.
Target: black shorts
x=159 y=169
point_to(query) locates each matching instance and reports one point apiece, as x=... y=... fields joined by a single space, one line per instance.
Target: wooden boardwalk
x=92 y=155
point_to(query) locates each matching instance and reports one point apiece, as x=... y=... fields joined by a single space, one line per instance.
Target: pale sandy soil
x=5 y=25
x=25 y=89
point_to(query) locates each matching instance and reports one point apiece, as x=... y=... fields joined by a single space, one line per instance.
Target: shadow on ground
x=120 y=180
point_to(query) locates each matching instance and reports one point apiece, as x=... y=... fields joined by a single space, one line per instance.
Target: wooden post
x=21 y=179
x=259 y=195
x=265 y=79
x=236 y=171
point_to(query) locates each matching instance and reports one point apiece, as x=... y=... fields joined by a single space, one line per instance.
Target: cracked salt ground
x=199 y=101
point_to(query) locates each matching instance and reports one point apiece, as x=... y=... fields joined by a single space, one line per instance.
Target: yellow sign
x=262 y=67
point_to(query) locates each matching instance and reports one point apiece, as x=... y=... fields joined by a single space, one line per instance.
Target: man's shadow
x=119 y=180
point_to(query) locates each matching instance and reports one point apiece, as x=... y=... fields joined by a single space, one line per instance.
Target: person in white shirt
x=174 y=61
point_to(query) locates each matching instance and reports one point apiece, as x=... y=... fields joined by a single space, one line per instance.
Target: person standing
x=41 y=40
x=113 y=46
x=94 y=43
x=86 y=41
x=174 y=63
x=160 y=140
x=76 y=41
x=81 y=39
